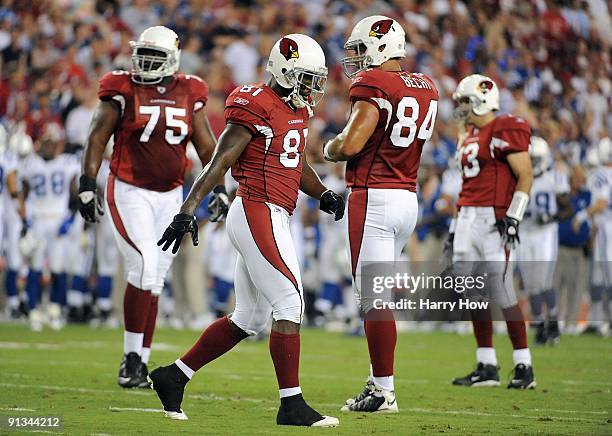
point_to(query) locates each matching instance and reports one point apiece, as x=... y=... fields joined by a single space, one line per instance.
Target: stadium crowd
x=551 y=60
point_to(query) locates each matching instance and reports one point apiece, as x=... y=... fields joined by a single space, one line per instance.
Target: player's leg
x=372 y=237
x=530 y=263
x=36 y=264
x=167 y=204
x=107 y=256
x=13 y=263
x=250 y=316
x=550 y=251
x=132 y=217
x=467 y=256
x=500 y=280
x=57 y=265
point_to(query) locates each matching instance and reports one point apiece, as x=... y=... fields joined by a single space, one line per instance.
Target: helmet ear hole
x=382 y=47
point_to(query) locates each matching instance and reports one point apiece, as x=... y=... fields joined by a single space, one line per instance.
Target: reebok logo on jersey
x=242 y=101
x=296 y=121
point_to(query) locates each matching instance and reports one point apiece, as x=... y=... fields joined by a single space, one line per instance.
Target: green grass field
x=72 y=373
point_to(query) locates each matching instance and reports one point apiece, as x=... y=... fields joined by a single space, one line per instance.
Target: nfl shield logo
x=161 y=89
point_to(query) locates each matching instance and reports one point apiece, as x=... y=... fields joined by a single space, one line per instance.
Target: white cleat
x=54 y=313
x=36 y=320
x=179 y=416
x=327 y=421
x=379 y=401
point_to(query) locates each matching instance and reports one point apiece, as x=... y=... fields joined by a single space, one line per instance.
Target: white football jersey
x=8 y=164
x=600 y=185
x=49 y=184
x=543 y=197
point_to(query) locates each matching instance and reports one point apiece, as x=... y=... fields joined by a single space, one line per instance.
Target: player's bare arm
x=520 y=163
x=565 y=207
x=101 y=129
x=204 y=141
x=360 y=127
x=311 y=185
x=232 y=143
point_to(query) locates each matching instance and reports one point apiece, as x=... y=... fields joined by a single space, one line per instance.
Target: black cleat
x=169 y=384
x=541 y=336
x=131 y=373
x=295 y=411
x=553 y=332
x=522 y=378
x=144 y=372
x=367 y=390
x=483 y=375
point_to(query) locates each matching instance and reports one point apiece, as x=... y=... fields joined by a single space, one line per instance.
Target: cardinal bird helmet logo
x=380 y=28
x=289 y=49
x=485 y=86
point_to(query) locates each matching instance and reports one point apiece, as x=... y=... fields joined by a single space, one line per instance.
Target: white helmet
x=481 y=91
x=374 y=39
x=539 y=151
x=21 y=144
x=604 y=151
x=297 y=61
x=155 y=55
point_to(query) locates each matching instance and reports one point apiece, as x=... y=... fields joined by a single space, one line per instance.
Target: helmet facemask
x=356 y=60
x=308 y=86
x=150 y=64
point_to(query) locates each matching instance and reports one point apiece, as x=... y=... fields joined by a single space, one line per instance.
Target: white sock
x=74 y=298
x=371 y=374
x=486 y=355
x=146 y=353
x=385 y=383
x=105 y=304
x=522 y=355
x=289 y=392
x=186 y=370
x=132 y=342
x=13 y=302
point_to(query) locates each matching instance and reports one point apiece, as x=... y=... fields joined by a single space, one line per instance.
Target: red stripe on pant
x=114 y=212
x=357 y=210
x=259 y=218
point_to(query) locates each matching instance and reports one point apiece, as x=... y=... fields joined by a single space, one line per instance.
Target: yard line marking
x=213 y=397
x=583 y=382
x=133 y=409
x=43 y=431
x=592 y=412
x=17 y=409
x=23 y=345
x=507 y=415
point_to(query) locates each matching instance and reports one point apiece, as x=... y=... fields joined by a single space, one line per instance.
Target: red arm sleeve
x=199 y=92
x=511 y=135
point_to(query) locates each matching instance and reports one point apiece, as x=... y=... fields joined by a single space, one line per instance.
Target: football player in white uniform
x=19 y=146
x=11 y=209
x=48 y=177
x=537 y=252
x=600 y=212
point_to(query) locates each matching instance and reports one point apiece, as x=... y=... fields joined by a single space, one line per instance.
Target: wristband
x=518 y=206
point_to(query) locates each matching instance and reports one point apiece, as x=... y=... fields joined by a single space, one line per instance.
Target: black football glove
x=218 y=204
x=508 y=229
x=90 y=205
x=181 y=224
x=332 y=203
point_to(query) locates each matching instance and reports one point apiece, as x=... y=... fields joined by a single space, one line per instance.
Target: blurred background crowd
x=551 y=60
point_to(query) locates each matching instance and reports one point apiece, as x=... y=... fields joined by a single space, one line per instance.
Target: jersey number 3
x=171 y=113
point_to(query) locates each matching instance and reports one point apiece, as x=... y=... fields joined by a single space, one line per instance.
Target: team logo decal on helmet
x=485 y=86
x=289 y=48
x=380 y=28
